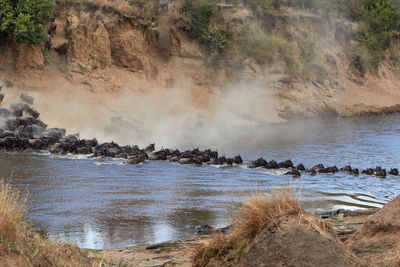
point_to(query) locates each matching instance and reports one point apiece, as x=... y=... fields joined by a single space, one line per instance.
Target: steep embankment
x=113 y=63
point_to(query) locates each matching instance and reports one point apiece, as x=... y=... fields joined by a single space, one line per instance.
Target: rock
x=355 y=171
x=1 y=97
x=313 y=172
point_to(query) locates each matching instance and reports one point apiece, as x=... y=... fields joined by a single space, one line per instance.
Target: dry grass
x=125 y=8
x=257 y=213
x=18 y=240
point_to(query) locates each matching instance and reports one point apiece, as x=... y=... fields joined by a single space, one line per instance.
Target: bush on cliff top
x=215 y=38
x=25 y=21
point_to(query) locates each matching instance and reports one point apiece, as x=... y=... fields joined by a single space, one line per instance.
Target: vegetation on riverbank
x=263 y=216
x=376 y=36
x=20 y=246
x=25 y=21
x=374 y=40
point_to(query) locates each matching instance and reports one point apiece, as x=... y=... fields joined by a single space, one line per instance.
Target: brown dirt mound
x=275 y=232
x=381 y=230
x=295 y=247
x=378 y=240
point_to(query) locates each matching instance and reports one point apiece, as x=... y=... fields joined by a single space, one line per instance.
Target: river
x=103 y=203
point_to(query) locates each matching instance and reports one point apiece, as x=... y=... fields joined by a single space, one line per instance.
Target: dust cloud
x=170 y=118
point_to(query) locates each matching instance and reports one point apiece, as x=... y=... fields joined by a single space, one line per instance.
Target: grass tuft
x=256 y=214
x=16 y=237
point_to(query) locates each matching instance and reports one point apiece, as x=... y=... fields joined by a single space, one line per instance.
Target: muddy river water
x=103 y=203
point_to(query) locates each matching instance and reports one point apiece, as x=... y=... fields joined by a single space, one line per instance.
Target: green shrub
x=379 y=18
x=215 y=38
x=263 y=47
x=200 y=13
x=25 y=20
x=308 y=53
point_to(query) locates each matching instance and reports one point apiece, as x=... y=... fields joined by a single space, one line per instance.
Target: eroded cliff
x=115 y=59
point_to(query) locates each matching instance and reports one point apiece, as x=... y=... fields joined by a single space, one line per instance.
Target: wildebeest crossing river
x=102 y=203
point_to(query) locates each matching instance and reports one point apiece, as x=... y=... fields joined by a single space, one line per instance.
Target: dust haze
x=168 y=117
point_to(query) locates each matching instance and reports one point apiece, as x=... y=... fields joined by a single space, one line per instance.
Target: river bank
x=180 y=253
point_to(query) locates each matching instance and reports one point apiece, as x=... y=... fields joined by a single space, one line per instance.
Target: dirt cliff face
x=100 y=50
x=20 y=56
